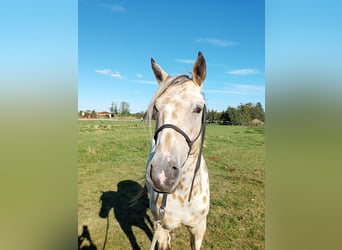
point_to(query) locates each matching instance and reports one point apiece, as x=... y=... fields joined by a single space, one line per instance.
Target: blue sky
x=117 y=39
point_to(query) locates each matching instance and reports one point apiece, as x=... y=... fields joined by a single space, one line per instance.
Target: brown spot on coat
x=195 y=192
x=203 y=212
x=166 y=146
x=181 y=200
x=174 y=116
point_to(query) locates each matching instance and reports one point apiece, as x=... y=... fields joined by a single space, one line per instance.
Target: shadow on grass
x=125 y=215
x=85 y=236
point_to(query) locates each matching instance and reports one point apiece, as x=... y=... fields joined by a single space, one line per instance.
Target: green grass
x=115 y=152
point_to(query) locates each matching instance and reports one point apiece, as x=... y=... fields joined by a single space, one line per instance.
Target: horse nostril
x=151 y=172
x=174 y=169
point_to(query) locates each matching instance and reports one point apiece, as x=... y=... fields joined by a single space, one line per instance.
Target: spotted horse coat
x=176 y=173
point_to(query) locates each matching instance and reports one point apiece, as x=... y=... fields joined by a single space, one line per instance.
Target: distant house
x=104 y=114
x=88 y=114
x=256 y=122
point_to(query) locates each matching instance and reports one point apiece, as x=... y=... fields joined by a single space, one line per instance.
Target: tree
x=258 y=112
x=212 y=116
x=93 y=114
x=225 y=118
x=245 y=111
x=114 y=109
x=124 y=108
x=234 y=115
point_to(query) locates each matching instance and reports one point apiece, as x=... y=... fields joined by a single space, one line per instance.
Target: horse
x=176 y=175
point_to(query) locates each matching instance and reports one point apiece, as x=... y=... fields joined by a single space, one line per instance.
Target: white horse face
x=179 y=108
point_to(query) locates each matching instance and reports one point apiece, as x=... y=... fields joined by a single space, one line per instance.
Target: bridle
x=190 y=144
x=186 y=137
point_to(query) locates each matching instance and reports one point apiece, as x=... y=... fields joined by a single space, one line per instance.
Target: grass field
x=112 y=157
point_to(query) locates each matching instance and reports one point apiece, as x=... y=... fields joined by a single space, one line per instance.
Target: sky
x=117 y=39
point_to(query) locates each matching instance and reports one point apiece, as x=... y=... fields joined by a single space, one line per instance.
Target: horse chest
x=187 y=213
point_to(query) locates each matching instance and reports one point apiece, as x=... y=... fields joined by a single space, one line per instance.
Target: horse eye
x=198 y=109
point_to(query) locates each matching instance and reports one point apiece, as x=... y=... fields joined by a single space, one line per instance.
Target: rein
x=190 y=143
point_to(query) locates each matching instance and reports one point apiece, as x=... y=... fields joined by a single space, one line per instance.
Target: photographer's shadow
x=85 y=237
x=126 y=216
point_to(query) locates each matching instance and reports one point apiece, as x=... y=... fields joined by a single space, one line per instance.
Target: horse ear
x=159 y=73
x=199 y=69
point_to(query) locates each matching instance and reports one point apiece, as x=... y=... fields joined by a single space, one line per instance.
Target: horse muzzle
x=163 y=173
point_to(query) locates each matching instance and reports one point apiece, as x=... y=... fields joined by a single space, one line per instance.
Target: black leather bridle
x=190 y=143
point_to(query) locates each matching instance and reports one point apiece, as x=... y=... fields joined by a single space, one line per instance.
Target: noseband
x=189 y=142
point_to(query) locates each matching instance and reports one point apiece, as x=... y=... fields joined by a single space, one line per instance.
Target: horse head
x=180 y=110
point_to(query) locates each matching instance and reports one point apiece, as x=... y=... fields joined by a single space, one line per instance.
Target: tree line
x=243 y=114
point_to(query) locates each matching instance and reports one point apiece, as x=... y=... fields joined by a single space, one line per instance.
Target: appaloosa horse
x=176 y=173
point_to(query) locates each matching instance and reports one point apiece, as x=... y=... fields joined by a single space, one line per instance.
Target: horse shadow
x=126 y=215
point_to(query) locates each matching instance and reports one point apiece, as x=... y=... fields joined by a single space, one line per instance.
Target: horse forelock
x=171 y=81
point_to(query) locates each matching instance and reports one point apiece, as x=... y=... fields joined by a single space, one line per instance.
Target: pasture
x=112 y=158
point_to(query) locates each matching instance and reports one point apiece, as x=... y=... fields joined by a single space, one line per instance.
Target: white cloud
x=248 y=88
x=225 y=91
x=188 y=61
x=117 y=8
x=110 y=73
x=114 y=7
x=242 y=72
x=216 y=42
x=238 y=89
x=116 y=75
x=103 y=71
x=146 y=82
x=138 y=75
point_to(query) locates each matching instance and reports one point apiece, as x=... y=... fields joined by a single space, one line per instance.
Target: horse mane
x=174 y=80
